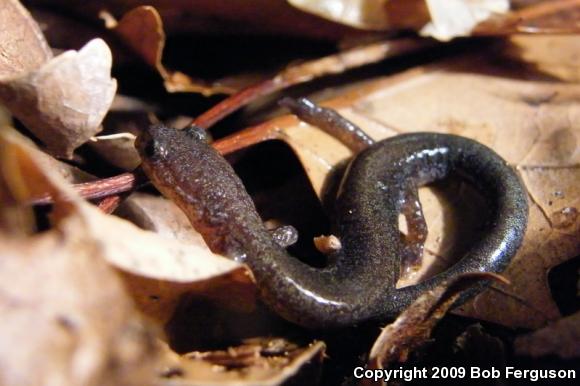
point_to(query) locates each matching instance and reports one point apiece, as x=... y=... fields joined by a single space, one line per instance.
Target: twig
x=101 y=188
x=109 y=204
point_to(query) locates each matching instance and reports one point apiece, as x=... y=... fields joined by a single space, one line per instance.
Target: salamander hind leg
x=417 y=231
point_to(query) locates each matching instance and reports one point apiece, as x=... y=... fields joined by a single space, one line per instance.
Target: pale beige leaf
x=64 y=101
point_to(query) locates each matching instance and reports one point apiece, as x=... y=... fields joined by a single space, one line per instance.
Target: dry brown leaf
x=532 y=124
x=22 y=45
x=142 y=30
x=259 y=362
x=413 y=327
x=165 y=269
x=561 y=338
x=64 y=101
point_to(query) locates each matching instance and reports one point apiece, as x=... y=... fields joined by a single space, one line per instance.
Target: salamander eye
x=149 y=149
x=198 y=134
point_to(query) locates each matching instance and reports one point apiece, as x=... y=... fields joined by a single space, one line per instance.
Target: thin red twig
x=100 y=188
x=304 y=72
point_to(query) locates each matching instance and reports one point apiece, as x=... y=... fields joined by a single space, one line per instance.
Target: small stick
x=109 y=204
x=101 y=188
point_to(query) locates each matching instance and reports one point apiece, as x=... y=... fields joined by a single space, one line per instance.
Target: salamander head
x=157 y=140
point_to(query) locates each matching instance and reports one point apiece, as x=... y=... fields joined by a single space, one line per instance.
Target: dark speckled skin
x=360 y=282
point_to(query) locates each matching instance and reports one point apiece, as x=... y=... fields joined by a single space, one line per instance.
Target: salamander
x=359 y=282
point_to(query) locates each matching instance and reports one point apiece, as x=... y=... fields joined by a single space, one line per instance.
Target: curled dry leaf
x=413 y=327
x=157 y=270
x=260 y=362
x=142 y=30
x=64 y=101
x=561 y=338
x=530 y=123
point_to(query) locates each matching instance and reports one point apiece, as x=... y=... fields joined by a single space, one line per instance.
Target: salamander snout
x=145 y=143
